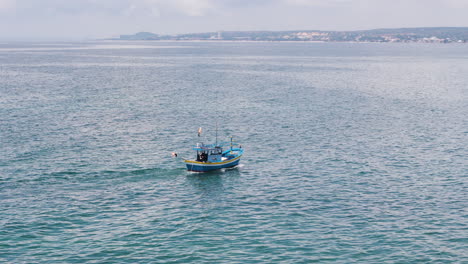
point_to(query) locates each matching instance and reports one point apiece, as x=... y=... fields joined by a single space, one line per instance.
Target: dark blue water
x=354 y=153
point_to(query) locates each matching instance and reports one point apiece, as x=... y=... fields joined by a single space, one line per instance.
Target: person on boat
x=201 y=157
x=204 y=157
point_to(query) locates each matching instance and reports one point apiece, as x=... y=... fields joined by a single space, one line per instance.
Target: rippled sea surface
x=354 y=153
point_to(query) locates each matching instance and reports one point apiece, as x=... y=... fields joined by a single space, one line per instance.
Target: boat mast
x=216 y=133
x=216 y=100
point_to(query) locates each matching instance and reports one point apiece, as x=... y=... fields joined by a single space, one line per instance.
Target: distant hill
x=429 y=34
x=140 y=36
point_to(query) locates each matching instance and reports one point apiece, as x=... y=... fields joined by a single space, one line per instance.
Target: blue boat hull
x=208 y=166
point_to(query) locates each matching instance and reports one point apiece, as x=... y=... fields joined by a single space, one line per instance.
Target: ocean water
x=354 y=153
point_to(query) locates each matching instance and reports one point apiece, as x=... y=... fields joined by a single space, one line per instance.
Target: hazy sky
x=80 y=19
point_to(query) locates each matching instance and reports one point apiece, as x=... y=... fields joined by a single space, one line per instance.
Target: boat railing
x=202 y=146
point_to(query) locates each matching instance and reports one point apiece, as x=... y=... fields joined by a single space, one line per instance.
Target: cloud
x=110 y=7
x=7 y=4
x=312 y=3
x=193 y=7
x=457 y=3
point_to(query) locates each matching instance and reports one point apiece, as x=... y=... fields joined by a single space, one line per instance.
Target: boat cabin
x=208 y=153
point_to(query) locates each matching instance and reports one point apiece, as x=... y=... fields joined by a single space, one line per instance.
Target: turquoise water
x=354 y=153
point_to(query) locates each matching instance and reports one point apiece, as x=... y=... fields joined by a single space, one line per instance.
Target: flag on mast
x=199 y=131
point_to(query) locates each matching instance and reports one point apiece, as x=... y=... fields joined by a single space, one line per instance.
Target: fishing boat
x=214 y=157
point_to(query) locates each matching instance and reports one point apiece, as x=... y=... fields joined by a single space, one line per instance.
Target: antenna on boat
x=216 y=100
x=216 y=133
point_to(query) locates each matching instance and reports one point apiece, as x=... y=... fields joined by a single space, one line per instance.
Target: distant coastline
x=405 y=35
